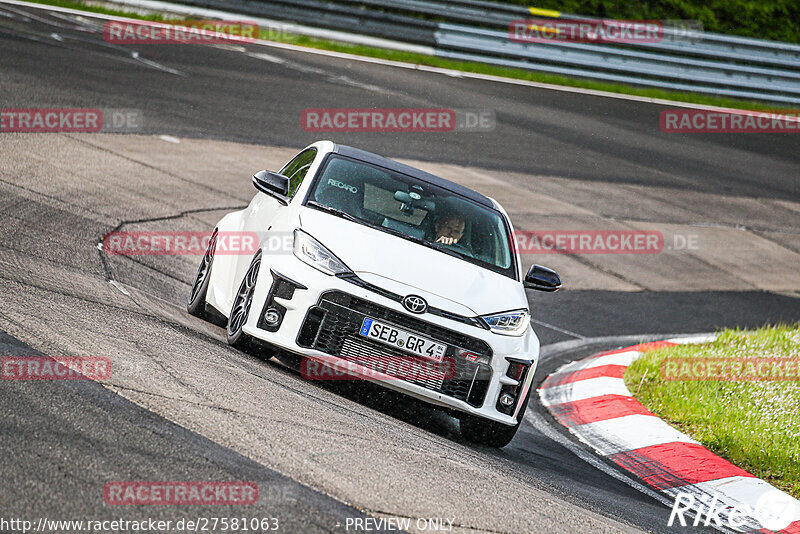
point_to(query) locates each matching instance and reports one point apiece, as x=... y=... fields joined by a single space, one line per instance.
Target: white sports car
x=389 y=274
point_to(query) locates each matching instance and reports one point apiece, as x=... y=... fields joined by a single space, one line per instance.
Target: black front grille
x=337 y=334
x=438 y=333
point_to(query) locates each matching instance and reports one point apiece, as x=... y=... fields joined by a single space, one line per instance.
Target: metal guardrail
x=477 y=30
x=482 y=13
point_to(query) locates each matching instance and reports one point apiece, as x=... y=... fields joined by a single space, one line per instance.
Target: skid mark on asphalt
x=152 y=167
x=330 y=76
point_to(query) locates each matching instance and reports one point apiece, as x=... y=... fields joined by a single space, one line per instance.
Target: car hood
x=404 y=267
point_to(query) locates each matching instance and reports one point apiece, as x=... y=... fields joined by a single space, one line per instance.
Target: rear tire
x=241 y=307
x=197 y=297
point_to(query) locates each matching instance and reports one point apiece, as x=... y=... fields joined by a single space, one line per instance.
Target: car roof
x=369 y=157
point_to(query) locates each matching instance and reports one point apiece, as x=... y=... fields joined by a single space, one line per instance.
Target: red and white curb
x=589 y=397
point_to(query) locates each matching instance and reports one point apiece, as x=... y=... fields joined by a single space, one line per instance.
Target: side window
x=296 y=169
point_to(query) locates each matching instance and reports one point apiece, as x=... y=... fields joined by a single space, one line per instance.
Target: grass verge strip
x=739 y=396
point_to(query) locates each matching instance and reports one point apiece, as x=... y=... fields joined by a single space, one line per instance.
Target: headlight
x=309 y=250
x=513 y=323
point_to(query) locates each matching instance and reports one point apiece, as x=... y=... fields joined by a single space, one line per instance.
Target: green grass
x=466 y=66
x=753 y=424
x=99 y=9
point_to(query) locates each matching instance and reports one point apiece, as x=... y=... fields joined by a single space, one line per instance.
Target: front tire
x=241 y=307
x=490 y=433
x=197 y=297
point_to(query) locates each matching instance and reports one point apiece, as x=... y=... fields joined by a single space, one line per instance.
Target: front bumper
x=473 y=388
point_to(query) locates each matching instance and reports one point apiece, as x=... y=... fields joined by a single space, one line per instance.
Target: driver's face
x=451 y=227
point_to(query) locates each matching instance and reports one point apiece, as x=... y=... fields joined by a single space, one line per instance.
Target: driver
x=449 y=228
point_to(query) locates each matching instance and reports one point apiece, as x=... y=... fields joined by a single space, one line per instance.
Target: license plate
x=394 y=337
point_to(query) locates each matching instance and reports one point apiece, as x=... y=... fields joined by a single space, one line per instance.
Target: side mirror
x=273 y=184
x=542 y=278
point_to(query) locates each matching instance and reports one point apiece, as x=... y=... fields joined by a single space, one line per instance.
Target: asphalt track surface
x=68 y=439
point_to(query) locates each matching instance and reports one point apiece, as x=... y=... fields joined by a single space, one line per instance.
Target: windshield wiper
x=334 y=211
x=441 y=247
x=404 y=235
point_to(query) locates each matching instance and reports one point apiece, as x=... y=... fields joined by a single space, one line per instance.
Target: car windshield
x=414 y=210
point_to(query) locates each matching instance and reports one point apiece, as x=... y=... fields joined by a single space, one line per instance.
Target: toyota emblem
x=415 y=304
